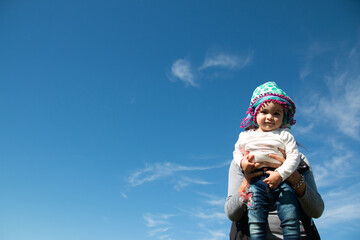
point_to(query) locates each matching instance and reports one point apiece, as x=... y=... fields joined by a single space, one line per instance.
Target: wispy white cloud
x=159 y=225
x=313 y=51
x=342 y=107
x=124 y=195
x=301 y=129
x=338 y=104
x=332 y=108
x=158 y=231
x=212 y=216
x=332 y=171
x=336 y=164
x=212 y=200
x=208 y=231
x=208 y=223
x=185 y=181
x=181 y=69
x=156 y=220
x=226 y=61
x=161 y=170
x=305 y=71
x=217 y=235
x=166 y=237
x=211 y=220
x=208 y=214
x=204 y=156
x=132 y=100
x=342 y=205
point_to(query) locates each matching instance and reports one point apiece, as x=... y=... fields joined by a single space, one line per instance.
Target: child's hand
x=273 y=180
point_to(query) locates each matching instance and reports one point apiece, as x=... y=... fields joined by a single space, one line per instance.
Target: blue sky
x=119 y=117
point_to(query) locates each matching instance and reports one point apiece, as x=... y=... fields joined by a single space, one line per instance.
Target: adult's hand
x=248 y=166
x=294 y=178
x=278 y=158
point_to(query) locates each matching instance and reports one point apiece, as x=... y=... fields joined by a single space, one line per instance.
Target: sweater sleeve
x=311 y=202
x=292 y=155
x=237 y=154
x=234 y=208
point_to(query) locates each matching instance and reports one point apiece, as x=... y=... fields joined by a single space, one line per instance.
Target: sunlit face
x=270 y=117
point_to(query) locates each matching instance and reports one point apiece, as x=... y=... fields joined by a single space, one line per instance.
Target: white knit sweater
x=260 y=144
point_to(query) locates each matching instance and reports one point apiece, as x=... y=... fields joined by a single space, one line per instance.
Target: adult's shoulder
x=303 y=158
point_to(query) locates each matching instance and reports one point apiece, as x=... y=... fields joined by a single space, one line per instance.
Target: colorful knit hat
x=269 y=92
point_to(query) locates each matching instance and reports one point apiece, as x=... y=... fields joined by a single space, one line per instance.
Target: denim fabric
x=263 y=197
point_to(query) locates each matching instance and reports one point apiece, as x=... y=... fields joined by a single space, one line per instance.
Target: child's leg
x=288 y=211
x=258 y=208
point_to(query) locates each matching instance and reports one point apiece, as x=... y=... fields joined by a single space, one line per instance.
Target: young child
x=269 y=118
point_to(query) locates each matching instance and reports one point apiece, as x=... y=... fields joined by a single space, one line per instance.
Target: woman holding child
x=271 y=186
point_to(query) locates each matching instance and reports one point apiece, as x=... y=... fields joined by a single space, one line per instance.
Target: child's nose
x=269 y=116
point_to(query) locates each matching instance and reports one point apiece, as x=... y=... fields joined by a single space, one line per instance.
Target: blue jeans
x=263 y=197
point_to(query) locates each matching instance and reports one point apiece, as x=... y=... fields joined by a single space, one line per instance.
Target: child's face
x=270 y=116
